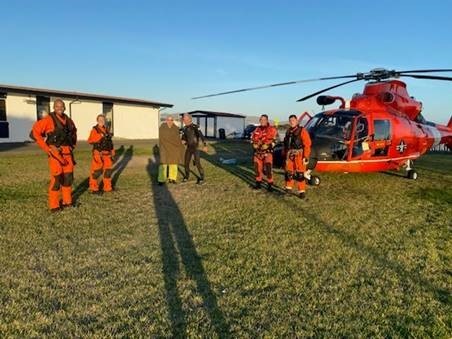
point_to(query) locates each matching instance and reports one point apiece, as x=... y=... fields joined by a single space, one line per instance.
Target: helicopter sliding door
x=360 y=133
x=381 y=137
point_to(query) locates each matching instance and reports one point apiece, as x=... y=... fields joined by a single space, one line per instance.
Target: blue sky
x=171 y=51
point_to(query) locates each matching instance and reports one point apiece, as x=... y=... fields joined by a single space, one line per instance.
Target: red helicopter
x=378 y=130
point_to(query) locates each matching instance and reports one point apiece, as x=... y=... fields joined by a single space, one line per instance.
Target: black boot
x=200 y=181
x=302 y=195
x=270 y=187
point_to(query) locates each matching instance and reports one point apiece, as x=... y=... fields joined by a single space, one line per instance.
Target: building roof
x=218 y=114
x=79 y=95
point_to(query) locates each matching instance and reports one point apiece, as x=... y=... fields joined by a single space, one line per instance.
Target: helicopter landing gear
x=410 y=172
x=312 y=180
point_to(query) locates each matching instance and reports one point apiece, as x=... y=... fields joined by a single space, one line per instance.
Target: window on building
x=2 y=110
x=4 y=126
x=107 y=110
x=42 y=107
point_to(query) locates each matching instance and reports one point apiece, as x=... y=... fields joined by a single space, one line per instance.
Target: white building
x=210 y=123
x=129 y=118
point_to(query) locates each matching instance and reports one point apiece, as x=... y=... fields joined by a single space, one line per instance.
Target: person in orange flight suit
x=297 y=148
x=56 y=134
x=263 y=140
x=103 y=153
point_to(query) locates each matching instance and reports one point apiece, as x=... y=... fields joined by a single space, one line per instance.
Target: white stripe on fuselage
x=436 y=134
x=414 y=156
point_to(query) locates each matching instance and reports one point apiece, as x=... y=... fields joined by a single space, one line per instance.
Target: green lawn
x=366 y=255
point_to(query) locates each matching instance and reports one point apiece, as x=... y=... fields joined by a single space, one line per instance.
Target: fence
x=440 y=148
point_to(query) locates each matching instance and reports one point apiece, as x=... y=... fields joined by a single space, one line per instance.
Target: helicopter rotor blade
x=376 y=74
x=425 y=71
x=275 y=85
x=327 y=89
x=429 y=77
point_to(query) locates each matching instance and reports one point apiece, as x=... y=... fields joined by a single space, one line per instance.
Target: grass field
x=366 y=255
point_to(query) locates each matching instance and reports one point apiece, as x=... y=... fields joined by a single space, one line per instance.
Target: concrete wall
x=130 y=121
x=135 y=122
x=83 y=112
x=231 y=125
x=21 y=115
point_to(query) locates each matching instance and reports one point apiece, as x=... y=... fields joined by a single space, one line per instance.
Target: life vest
x=192 y=135
x=264 y=139
x=292 y=140
x=62 y=134
x=105 y=143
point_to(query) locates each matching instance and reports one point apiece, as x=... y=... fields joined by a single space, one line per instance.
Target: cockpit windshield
x=332 y=133
x=333 y=126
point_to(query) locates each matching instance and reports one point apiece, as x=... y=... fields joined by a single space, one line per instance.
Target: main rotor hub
x=378 y=74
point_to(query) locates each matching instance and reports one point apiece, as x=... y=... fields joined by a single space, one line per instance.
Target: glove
x=305 y=161
x=256 y=146
x=54 y=153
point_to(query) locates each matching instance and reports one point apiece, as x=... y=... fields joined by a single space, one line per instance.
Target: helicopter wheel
x=314 y=181
x=412 y=174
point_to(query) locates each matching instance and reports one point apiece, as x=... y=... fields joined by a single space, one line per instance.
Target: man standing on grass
x=170 y=148
x=297 y=149
x=191 y=135
x=103 y=153
x=263 y=140
x=56 y=134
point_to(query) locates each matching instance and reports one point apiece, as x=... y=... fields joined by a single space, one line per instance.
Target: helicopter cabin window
x=382 y=134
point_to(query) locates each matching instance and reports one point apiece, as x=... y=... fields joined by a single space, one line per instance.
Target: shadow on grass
x=243 y=169
x=180 y=167
x=121 y=164
x=177 y=246
x=12 y=146
x=349 y=240
x=118 y=168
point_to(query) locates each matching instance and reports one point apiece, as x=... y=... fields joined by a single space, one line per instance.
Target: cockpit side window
x=362 y=129
x=361 y=134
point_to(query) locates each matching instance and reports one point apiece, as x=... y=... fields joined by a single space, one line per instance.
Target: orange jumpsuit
x=101 y=163
x=57 y=136
x=297 y=145
x=263 y=140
